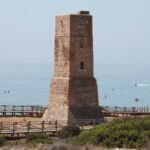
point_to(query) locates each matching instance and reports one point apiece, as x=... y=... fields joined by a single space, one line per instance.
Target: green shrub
x=2 y=141
x=131 y=133
x=69 y=131
x=38 y=138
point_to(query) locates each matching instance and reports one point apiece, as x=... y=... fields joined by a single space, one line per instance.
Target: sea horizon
x=118 y=84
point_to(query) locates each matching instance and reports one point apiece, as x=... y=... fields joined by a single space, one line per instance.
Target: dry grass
x=57 y=146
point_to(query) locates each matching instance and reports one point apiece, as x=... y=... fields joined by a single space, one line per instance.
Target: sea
x=118 y=84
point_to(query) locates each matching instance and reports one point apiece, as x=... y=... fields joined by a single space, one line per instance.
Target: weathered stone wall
x=83 y=92
x=58 y=100
x=62 y=57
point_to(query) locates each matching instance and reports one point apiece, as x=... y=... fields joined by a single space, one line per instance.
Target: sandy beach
x=19 y=119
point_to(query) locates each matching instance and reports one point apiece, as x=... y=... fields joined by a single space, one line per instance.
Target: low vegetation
x=69 y=131
x=130 y=133
x=2 y=141
x=38 y=138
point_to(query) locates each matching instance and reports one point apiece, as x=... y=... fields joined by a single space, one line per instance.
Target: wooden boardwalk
x=17 y=129
x=125 y=111
x=22 y=110
x=24 y=128
x=38 y=110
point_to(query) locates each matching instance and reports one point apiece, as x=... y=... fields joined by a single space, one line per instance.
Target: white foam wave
x=142 y=85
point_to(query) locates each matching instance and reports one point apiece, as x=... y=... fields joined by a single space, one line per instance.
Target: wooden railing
x=16 y=128
x=19 y=128
x=107 y=110
x=38 y=110
x=24 y=128
x=22 y=110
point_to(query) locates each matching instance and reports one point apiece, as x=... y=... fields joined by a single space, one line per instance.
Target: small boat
x=135 y=84
x=105 y=96
x=136 y=99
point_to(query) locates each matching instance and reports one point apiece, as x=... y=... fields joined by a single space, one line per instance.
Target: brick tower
x=73 y=89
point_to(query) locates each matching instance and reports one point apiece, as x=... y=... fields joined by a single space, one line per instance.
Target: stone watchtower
x=73 y=91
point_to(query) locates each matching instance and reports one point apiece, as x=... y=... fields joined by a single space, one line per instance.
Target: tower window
x=62 y=23
x=81 y=65
x=81 y=45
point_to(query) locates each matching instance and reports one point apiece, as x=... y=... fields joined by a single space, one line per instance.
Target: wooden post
x=56 y=125
x=115 y=109
x=4 y=110
x=43 y=125
x=133 y=111
x=37 y=110
x=23 y=110
x=94 y=122
x=82 y=127
x=28 y=126
x=32 y=110
x=41 y=110
x=13 y=113
x=14 y=127
x=1 y=125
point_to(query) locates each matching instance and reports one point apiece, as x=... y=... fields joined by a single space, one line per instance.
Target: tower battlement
x=83 y=12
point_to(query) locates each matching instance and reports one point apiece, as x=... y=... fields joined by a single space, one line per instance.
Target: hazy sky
x=121 y=29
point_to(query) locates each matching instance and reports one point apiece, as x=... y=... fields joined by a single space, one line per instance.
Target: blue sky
x=121 y=30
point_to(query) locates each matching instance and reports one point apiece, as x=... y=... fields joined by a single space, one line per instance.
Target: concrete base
x=74 y=115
